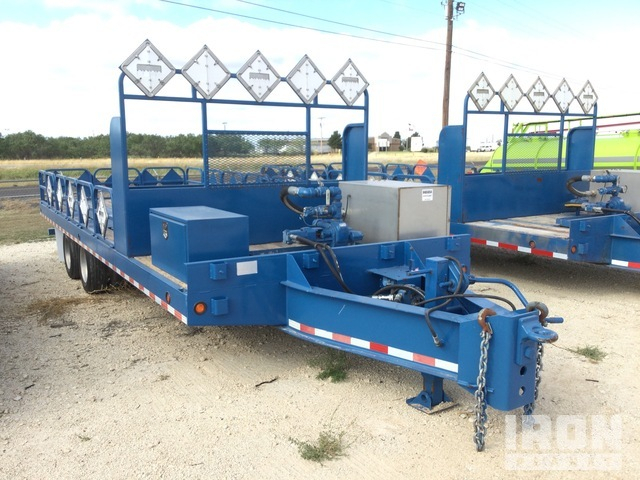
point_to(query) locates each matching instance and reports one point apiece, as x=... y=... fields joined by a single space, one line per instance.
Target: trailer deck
x=246 y=240
x=544 y=225
x=552 y=204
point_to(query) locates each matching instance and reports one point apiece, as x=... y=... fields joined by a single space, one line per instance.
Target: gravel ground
x=111 y=386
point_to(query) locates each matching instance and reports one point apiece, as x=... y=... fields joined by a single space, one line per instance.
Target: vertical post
x=120 y=175
x=307 y=142
x=432 y=394
x=205 y=141
x=447 y=64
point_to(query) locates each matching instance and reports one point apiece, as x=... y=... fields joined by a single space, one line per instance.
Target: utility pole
x=447 y=63
x=321 y=150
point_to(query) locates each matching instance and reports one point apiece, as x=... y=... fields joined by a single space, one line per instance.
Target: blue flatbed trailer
x=554 y=205
x=219 y=246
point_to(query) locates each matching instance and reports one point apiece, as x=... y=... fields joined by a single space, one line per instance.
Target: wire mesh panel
x=532 y=152
x=236 y=158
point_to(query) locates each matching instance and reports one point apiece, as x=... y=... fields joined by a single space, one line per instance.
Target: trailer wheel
x=71 y=252
x=94 y=276
x=115 y=280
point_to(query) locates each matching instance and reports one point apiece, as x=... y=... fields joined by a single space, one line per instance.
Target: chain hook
x=481 y=392
x=482 y=319
x=543 y=311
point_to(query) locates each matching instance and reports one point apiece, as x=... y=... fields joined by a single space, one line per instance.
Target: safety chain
x=480 y=395
x=543 y=312
x=530 y=407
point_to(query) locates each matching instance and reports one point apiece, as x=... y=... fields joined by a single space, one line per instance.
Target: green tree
x=335 y=141
x=281 y=145
x=26 y=145
x=229 y=145
x=272 y=146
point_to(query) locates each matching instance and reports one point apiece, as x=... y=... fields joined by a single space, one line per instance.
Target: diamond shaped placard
x=148 y=69
x=481 y=92
x=206 y=73
x=538 y=95
x=511 y=93
x=587 y=97
x=563 y=96
x=258 y=77
x=59 y=194
x=49 y=191
x=306 y=80
x=349 y=83
x=71 y=199
x=102 y=214
x=84 y=206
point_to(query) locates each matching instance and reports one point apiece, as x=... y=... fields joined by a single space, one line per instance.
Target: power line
x=440 y=46
x=199 y=7
x=339 y=23
x=403 y=5
x=545 y=20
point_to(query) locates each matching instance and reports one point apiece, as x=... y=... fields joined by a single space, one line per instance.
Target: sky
x=61 y=58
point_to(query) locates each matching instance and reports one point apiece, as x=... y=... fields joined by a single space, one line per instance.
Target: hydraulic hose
x=395 y=287
x=626 y=212
x=472 y=295
x=284 y=198
x=332 y=263
x=575 y=191
x=429 y=311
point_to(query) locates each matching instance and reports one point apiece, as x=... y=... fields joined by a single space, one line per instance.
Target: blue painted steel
x=322 y=298
x=580 y=148
x=431 y=395
x=499 y=195
x=131 y=216
x=381 y=329
x=504 y=195
x=181 y=235
x=327 y=231
x=327 y=225
x=473 y=279
x=584 y=200
x=143 y=275
x=480 y=202
x=354 y=151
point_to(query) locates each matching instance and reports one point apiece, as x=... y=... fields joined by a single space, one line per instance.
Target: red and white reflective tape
x=623 y=263
x=546 y=253
x=131 y=280
x=517 y=248
x=376 y=347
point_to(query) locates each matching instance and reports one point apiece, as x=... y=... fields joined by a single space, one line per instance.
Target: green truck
x=536 y=145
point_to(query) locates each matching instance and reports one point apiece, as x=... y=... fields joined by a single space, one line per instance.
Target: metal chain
x=481 y=402
x=543 y=312
x=530 y=407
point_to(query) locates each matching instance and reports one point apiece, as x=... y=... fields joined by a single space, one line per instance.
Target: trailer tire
x=116 y=280
x=94 y=275
x=71 y=252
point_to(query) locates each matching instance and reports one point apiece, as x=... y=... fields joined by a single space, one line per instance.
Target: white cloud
x=61 y=79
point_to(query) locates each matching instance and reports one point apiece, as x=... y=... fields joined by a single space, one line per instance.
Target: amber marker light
x=200 y=308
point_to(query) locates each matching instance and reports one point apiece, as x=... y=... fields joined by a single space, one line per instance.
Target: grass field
x=20 y=221
x=28 y=169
